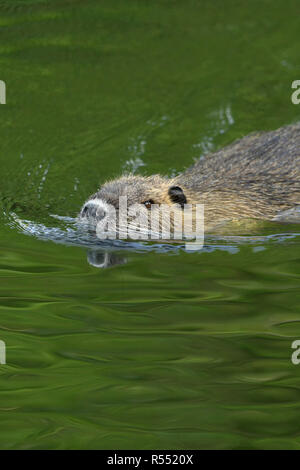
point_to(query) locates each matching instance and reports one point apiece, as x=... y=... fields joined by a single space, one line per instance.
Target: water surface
x=140 y=345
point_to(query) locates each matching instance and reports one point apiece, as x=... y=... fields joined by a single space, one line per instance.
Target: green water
x=166 y=349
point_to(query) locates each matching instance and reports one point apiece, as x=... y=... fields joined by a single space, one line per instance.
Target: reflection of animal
x=255 y=177
x=102 y=259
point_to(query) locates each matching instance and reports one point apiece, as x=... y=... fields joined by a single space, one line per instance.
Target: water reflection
x=107 y=253
x=104 y=259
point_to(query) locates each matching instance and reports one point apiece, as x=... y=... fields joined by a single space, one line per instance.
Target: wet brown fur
x=256 y=177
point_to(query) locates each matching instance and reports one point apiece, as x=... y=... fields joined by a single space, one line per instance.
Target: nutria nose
x=92 y=210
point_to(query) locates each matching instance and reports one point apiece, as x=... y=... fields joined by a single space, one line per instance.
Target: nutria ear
x=177 y=195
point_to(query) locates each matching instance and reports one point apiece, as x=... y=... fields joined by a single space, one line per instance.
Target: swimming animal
x=256 y=177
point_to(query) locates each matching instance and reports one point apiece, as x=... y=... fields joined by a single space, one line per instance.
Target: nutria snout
x=256 y=177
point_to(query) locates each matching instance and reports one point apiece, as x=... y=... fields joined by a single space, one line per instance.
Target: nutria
x=256 y=177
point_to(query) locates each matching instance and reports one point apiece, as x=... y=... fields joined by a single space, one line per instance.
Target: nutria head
x=153 y=208
x=137 y=189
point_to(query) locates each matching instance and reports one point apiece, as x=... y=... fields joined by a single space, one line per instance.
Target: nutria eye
x=149 y=203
